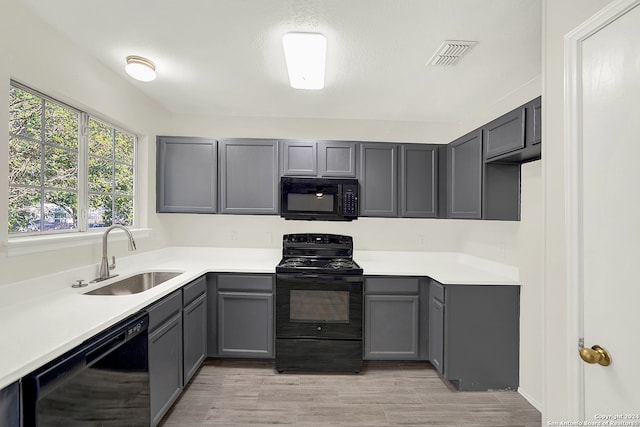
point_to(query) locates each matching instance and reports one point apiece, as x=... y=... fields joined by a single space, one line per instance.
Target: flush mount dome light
x=305 y=54
x=140 y=68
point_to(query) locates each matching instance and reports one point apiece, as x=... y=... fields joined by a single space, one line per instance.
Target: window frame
x=83 y=135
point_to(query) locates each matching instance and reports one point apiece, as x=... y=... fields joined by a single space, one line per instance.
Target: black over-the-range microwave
x=328 y=199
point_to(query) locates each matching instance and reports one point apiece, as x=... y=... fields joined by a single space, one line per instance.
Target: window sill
x=34 y=244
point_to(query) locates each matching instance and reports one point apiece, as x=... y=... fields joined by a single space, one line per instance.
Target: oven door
x=318 y=306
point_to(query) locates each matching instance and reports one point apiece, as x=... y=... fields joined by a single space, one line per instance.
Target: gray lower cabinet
x=378 y=179
x=418 y=181
x=464 y=177
x=474 y=335
x=165 y=354
x=245 y=316
x=177 y=344
x=248 y=176
x=194 y=319
x=212 y=315
x=392 y=324
x=10 y=405
x=186 y=175
x=436 y=326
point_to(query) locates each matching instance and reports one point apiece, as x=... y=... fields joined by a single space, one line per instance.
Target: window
x=68 y=171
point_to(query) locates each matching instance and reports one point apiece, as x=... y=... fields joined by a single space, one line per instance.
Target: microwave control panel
x=350 y=199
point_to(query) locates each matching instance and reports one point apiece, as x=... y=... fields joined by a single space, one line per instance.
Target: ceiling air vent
x=450 y=52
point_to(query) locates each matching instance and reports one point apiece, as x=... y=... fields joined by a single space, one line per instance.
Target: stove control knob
x=319 y=328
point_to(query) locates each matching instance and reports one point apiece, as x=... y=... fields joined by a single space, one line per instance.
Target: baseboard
x=530 y=399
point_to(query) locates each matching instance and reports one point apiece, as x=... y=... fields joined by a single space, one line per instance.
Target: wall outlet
x=420 y=240
x=234 y=236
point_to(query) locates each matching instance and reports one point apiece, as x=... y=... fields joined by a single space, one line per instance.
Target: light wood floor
x=240 y=393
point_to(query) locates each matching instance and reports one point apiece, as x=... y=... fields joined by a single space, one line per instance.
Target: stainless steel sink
x=134 y=284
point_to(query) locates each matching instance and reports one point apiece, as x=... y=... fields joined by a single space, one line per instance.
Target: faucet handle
x=113 y=264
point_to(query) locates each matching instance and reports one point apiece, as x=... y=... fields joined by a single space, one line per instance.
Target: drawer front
x=193 y=290
x=162 y=311
x=245 y=283
x=437 y=291
x=391 y=285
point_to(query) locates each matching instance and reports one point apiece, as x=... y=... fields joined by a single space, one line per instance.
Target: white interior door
x=604 y=188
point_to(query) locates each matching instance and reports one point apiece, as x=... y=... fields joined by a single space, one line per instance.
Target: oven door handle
x=352 y=279
x=297 y=276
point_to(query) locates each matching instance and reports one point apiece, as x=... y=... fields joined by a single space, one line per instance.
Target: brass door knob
x=595 y=354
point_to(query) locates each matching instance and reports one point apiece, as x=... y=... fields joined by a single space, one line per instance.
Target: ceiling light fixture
x=305 y=54
x=140 y=68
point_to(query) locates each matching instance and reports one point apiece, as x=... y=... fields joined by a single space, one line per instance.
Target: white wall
x=40 y=57
x=558 y=19
x=530 y=242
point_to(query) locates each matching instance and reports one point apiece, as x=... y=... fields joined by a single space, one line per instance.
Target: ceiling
x=224 y=57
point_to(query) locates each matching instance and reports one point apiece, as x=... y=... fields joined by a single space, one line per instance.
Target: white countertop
x=42 y=318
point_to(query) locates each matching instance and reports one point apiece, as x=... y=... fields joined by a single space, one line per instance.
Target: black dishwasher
x=102 y=382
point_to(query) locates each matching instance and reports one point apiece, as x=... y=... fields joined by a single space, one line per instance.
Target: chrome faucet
x=104 y=263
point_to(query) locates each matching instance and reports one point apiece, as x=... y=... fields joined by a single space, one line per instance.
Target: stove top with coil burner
x=317 y=253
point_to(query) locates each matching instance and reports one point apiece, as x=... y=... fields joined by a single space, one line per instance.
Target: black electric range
x=318 y=304
x=317 y=253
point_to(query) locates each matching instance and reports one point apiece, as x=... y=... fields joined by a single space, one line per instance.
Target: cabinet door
x=464 y=177
x=391 y=327
x=245 y=325
x=534 y=122
x=478 y=318
x=212 y=315
x=195 y=336
x=186 y=175
x=249 y=176
x=337 y=159
x=10 y=406
x=379 y=172
x=299 y=158
x=165 y=367
x=418 y=181
x=436 y=330
x=505 y=134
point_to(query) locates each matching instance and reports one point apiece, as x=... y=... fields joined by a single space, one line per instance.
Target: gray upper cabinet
x=186 y=175
x=418 y=181
x=464 y=177
x=325 y=159
x=248 y=176
x=337 y=159
x=505 y=134
x=534 y=121
x=378 y=179
x=516 y=136
x=299 y=158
